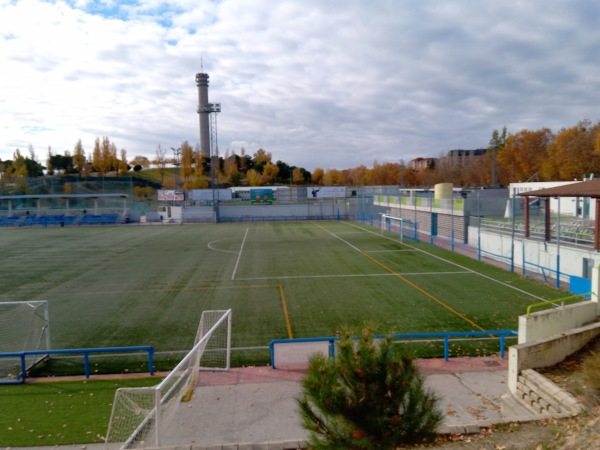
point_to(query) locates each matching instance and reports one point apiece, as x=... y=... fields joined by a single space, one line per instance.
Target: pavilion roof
x=589 y=188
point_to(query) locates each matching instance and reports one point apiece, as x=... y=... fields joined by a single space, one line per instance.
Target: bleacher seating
x=59 y=220
x=11 y=221
x=99 y=219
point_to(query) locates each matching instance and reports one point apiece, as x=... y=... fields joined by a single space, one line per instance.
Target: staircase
x=541 y=396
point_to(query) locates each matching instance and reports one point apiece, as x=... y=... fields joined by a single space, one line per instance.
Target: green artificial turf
x=148 y=285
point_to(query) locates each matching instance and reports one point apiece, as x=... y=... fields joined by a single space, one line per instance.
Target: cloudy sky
x=317 y=83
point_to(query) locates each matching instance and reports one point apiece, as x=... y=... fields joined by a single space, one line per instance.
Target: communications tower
x=208 y=133
x=203 y=112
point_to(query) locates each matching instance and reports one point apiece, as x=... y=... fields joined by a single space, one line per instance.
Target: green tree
x=139 y=160
x=61 y=163
x=497 y=143
x=284 y=174
x=369 y=397
x=49 y=166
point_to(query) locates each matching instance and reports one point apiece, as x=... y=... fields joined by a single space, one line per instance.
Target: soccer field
x=148 y=285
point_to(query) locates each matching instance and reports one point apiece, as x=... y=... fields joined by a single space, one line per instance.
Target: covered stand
x=584 y=189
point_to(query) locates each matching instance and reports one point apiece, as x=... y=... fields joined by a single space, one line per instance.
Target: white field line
x=239 y=255
x=452 y=262
x=344 y=241
x=211 y=246
x=389 y=251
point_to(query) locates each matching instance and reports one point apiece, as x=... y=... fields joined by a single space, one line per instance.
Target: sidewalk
x=255 y=408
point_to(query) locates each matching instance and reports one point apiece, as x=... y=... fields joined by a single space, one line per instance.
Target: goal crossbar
x=392 y=224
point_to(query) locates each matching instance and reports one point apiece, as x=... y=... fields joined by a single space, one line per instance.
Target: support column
x=526 y=200
x=547 y=221
x=597 y=225
x=595 y=287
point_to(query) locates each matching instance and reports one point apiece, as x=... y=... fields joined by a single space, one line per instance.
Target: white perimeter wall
x=536 y=252
x=543 y=324
x=310 y=209
x=548 y=337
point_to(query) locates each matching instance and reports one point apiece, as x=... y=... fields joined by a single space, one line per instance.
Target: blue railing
x=86 y=357
x=408 y=337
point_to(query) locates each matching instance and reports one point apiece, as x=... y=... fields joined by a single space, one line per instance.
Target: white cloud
x=318 y=84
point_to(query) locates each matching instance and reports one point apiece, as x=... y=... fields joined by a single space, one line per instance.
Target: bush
x=370 y=397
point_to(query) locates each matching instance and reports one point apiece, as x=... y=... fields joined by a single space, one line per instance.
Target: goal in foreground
x=140 y=415
x=23 y=326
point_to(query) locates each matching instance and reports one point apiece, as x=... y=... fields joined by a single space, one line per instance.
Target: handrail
x=502 y=334
x=553 y=302
x=86 y=357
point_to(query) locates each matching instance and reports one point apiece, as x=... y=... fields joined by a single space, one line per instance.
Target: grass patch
x=59 y=413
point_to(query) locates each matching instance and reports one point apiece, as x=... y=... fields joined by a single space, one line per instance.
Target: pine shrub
x=371 y=396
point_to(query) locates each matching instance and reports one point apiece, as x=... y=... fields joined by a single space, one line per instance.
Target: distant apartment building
x=462 y=157
x=420 y=164
x=458 y=157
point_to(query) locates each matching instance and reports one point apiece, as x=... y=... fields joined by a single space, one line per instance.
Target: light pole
x=176 y=154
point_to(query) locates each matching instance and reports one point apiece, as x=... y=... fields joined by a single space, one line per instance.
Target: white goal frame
x=140 y=416
x=24 y=326
x=386 y=224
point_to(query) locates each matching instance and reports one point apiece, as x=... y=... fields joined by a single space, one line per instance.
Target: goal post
x=392 y=224
x=141 y=416
x=24 y=326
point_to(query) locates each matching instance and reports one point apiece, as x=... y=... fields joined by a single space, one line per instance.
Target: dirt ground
x=581 y=432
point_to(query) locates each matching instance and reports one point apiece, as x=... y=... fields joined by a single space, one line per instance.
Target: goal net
x=392 y=224
x=141 y=416
x=24 y=326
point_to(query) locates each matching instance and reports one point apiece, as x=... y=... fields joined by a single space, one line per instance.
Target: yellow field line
x=285 y=312
x=424 y=292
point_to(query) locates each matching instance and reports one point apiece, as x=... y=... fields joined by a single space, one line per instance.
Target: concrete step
x=540 y=395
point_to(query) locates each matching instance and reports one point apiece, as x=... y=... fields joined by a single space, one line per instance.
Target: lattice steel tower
x=208 y=134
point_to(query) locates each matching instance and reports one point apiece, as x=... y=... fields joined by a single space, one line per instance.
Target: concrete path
x=255 y=407
x=250 y=408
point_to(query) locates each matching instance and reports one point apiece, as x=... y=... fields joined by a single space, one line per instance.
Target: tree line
x=525 y=155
